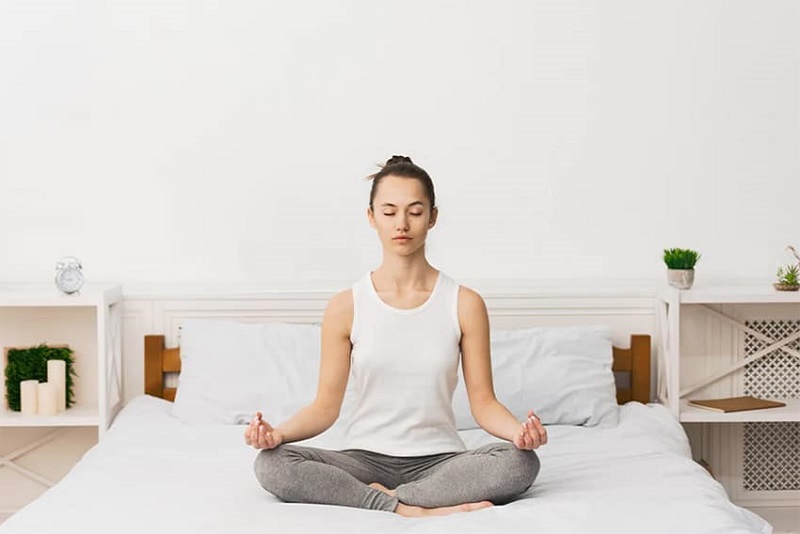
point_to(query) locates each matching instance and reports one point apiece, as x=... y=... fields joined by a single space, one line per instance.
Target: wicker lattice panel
x=771 y=450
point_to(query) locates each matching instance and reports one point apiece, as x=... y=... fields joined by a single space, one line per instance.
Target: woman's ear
x=434 y=216
x=371 y=217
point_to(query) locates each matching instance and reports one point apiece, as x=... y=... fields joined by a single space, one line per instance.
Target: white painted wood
x=661 y=345
x=705 y=353
x=739 y=364
x=79 y=415
x=712 y=332
x=673 y=346
x=44 y=295
x=731 y=293
x=89 y=322
x=33 y=314
x=733 y=455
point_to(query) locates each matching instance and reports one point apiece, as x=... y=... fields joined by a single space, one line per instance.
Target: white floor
x=783 y=520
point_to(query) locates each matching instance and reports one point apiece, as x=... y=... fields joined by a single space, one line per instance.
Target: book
x=736 y=404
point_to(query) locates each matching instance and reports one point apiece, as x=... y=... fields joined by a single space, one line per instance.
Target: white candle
x=57 y=375
x=48 y=398
x=29 y=397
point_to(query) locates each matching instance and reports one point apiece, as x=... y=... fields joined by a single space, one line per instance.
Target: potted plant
x=680 y=266
x=789 y=275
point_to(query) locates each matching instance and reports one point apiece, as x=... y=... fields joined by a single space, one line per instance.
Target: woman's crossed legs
x=422 y=485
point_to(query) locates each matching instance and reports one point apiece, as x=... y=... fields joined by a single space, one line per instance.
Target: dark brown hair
x=404 y=167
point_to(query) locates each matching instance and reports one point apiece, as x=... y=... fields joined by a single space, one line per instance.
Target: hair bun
x=395 y=160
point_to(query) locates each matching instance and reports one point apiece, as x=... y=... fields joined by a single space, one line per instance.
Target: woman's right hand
x=260 y=434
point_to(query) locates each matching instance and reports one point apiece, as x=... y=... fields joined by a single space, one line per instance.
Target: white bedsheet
x=153 y=473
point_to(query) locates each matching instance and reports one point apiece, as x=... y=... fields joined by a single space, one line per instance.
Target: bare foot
x=382 y=488
x=417 y=511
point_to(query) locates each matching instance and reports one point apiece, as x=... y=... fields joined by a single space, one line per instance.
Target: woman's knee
x=272 y=469
x=528 y=466
x=520 y=468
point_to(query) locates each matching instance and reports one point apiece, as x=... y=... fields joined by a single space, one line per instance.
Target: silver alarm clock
x=69 y=275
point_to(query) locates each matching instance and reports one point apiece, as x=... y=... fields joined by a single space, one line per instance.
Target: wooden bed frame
x=634 y=361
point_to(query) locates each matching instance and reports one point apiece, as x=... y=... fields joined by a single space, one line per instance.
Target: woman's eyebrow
x=390 y=205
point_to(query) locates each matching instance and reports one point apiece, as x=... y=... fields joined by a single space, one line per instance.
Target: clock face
x=69 y=280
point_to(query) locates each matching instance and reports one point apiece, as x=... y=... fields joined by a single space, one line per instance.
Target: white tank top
x=404 y=368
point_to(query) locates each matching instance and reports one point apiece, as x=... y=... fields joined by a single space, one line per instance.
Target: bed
x=155 y=471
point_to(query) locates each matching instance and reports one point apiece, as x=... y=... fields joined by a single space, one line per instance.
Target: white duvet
x=152 y=473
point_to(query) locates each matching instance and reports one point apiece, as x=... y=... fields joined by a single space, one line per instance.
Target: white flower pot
x=680 y=278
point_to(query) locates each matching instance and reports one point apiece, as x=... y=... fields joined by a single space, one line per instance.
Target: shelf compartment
x=75 y=416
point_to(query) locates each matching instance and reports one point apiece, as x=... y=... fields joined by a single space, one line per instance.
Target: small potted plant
x=789 y=275
x=680 y=266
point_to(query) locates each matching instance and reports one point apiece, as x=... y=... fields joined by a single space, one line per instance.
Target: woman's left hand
x=531 y=434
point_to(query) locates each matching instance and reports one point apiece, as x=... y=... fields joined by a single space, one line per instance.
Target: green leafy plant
x=31 y=364
x=680 y=258
x=789 y=275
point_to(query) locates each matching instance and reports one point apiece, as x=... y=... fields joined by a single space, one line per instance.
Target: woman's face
x=401 y=214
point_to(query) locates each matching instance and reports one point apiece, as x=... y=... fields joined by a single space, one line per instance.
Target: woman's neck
x=398 y=272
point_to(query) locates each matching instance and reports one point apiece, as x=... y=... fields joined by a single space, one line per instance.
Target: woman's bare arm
x=333 y=374
x=489 y=413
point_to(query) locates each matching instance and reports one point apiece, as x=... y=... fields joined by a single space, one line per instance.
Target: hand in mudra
x=261 y=435
x=531 y=434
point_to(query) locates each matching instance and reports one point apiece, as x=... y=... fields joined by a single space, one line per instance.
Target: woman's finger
x=540 y=429
x=534 y=436
x=527 y=439
x=248 y=434
x=524 y=437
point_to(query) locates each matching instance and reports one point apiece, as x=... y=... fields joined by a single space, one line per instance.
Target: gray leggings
x=497 y=472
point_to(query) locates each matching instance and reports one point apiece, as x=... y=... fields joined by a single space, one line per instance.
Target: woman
x=401 y=330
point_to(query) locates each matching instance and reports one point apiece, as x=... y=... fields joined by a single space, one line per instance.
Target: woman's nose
x=402 y=222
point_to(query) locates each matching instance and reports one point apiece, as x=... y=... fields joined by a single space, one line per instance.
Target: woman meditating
x=400 y=332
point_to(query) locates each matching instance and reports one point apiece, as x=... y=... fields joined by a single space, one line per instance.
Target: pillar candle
x=57 y=375
x=48 y=399
x=29 y=397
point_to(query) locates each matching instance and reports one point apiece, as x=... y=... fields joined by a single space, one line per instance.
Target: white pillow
x=562 y=373
x=230 y=370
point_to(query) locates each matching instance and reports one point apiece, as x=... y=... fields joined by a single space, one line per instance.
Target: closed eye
x=413 y=214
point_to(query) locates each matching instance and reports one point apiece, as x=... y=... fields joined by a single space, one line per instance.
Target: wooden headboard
x=634 y=361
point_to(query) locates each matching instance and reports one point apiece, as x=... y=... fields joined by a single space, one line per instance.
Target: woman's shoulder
x=341 y=302
x=469 y=296
x=339 y=313
x=469 y=299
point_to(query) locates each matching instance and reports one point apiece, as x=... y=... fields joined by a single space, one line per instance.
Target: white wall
x=186 y=141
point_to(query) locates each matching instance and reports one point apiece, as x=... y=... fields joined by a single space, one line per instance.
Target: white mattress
x=154 y=473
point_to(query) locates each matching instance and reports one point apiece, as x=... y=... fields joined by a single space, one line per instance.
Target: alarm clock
x=69 y=276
